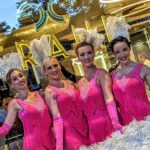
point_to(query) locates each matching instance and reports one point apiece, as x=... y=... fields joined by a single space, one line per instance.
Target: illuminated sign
x=25 y=8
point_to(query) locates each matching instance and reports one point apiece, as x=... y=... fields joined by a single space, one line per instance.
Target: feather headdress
x=40 y=50
x=9 y=61
x=116 y=26
x=90 y=36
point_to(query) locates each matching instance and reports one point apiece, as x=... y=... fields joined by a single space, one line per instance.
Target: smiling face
x=17 y=80
x=86 y=55
x=52 y=69
x=122 y=52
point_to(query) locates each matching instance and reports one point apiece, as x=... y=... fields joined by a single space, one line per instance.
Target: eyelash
x=20 y=76
x=14 y=79
x=116 y=52
x=83 y=54
x=56 y=65
x=49 y=68
x=125 y=49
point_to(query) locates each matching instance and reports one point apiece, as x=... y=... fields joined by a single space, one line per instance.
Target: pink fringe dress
x=130 y=93
x=37 y=125
x=95 y=109
x=75 y=125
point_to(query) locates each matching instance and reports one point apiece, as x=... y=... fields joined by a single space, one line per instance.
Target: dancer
x=67 y=106
x=32 y=111
x=129 y=83
x=95 y=90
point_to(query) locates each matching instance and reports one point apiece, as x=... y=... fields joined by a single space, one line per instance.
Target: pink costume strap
x=137 y=69
x=4 y=130
x=113 y=73
x=96 y=73
x=135 y=72
x=39 y=97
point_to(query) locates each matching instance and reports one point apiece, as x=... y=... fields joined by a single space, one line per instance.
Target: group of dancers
x=68 y=116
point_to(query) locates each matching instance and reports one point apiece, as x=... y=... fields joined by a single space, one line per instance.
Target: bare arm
x=51 y=102
x=145 y=75
x=106 y=84
x=105 y=81
x=12 y=113
x=10 y=119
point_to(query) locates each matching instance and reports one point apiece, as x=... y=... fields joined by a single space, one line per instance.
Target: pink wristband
x=112 y=110
x=4 y=130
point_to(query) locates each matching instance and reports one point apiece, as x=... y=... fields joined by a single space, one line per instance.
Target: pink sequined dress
x=37 y=125
x=75 y=125
x=130 y=93
x=95 y=109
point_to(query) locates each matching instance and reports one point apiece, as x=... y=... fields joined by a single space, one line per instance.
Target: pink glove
x=4 y=130
x=58 y=127
x=111 y=107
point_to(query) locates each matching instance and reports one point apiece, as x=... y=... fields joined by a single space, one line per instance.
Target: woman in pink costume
x=64 y=94
x=128 y=83
x=32 y=111
x=97 y=97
